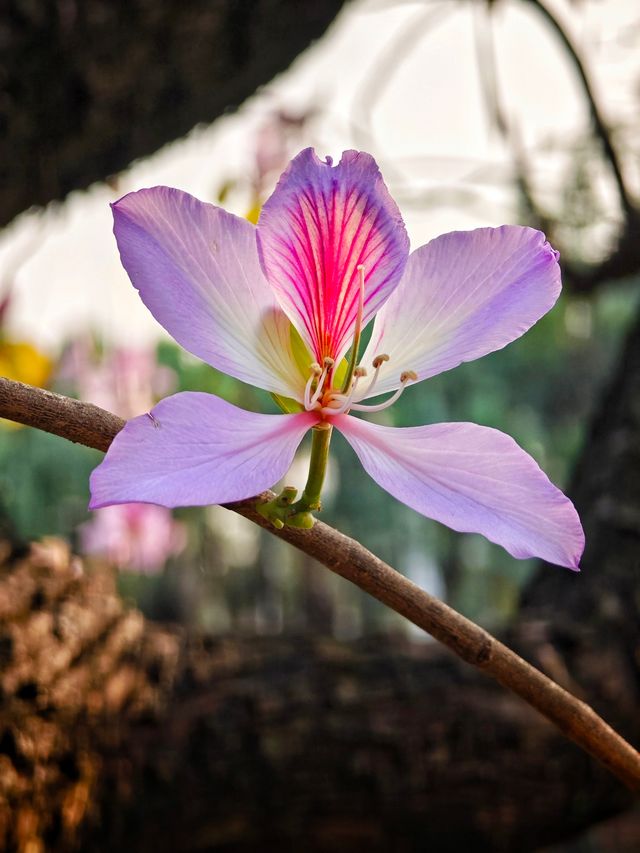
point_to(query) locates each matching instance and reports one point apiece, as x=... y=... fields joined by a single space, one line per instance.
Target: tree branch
x=90 y=425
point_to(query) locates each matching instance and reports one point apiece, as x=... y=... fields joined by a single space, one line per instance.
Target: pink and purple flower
x=281 y=306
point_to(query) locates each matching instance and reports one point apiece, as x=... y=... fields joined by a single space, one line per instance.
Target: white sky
x=429 y=132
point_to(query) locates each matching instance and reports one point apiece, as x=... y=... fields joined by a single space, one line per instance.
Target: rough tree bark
x=120 y=735
x=89 y=87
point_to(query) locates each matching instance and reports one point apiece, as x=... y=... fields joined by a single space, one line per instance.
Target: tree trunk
x=89 y=87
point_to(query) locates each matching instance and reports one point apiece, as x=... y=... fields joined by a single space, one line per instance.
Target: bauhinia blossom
x=282 y=306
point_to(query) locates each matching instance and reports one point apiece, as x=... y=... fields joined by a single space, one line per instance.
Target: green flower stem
x=320 y=440
x=284 y=509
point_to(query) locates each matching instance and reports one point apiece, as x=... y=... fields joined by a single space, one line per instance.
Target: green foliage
x=44 y=482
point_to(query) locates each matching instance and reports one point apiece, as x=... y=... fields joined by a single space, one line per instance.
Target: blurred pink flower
x=135 y=537
x=125 y=380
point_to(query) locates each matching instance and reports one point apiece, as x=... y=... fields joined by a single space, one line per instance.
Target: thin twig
x=90 y=425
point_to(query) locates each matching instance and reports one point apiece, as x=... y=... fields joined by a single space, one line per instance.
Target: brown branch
x=83 y=423
x=94 y=427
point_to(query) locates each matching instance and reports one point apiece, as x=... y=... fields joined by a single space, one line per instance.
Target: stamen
x=378 y=361
x=328 y=365
x=316 y=370
x=344 y=400
x=357 y=332
x=405 y=377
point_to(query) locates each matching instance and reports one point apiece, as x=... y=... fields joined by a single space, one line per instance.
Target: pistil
x=344 y=401
x=319 y=376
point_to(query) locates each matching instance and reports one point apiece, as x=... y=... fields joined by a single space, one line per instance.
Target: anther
x=316 y=371
x=379 y=360
x=310 y=401
x=359 y=372
x=408 y=376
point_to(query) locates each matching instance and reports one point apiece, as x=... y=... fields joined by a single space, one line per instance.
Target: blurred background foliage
x=209 y=569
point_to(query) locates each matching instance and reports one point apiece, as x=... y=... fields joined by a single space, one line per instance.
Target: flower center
x=320 y=394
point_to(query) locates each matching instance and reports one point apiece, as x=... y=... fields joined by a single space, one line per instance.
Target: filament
x=405 y=378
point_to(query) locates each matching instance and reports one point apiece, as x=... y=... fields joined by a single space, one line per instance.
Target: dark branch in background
x=600 y=127
x=506 y=126
x=347 y=558
x=89 y=87
x=624 y=259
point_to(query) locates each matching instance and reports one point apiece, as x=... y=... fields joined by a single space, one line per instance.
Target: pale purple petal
x=473 y=479
x=196 y=268
x=195 y=449
x=321 y=222
x=463 y=295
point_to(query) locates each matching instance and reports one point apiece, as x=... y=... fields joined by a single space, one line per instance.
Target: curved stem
x=94 y=427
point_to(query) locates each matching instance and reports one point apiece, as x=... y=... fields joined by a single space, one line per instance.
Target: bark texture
x=88 y=87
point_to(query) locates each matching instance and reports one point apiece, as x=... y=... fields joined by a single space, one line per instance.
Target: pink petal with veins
x=320 y=224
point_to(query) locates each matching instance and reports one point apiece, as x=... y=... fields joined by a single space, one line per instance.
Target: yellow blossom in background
x=22 y=362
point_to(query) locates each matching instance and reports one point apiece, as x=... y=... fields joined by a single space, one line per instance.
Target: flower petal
x=473 y=479
x=319 y=225
x=195 y=449
x=196 y=268
x=463 y=295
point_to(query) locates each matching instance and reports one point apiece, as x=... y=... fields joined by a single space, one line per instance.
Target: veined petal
x=320 y=224
x=196 y=268
x=463 y=295
x=473 y=479
x=195 y=449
